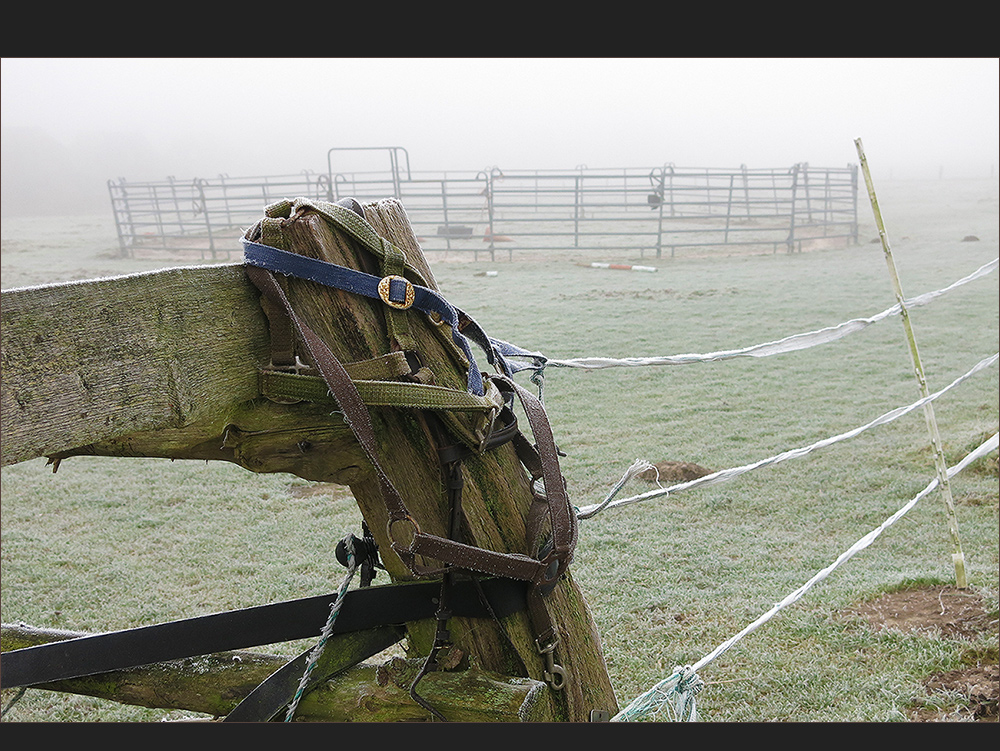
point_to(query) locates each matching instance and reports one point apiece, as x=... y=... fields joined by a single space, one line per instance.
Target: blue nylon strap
x=506 y=349
x=424 y=299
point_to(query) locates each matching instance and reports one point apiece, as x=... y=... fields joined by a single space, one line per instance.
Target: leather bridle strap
x=416 y=543
x=546 y=463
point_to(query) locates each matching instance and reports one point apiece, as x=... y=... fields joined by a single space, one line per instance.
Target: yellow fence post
x=958 y=557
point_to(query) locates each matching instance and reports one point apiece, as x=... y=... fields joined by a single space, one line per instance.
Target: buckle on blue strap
x=396 y=292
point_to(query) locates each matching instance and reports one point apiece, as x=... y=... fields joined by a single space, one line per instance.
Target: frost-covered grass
x=115 y=543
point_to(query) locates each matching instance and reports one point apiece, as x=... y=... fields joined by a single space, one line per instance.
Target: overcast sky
x=245 y=117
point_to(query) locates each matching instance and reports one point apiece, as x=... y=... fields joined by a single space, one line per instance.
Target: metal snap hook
x=555 y=675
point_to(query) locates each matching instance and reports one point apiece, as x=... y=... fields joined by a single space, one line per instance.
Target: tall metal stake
x=957 y=556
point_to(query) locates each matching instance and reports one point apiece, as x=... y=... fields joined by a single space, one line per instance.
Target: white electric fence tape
x=676 y=693
x=728 y=474
x=788 y=344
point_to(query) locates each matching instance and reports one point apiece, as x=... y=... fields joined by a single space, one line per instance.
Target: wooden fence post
x=495 y=497
x=306 y=440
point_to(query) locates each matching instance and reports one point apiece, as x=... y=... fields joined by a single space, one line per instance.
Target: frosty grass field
x=115 y=543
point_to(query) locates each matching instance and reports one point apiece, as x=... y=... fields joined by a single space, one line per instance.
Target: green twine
x=675 y=693
x=327 y=632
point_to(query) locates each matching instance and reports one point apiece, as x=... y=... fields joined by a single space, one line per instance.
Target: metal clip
x=555 y=675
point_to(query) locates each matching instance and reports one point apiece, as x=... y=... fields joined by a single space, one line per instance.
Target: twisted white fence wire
x=788 y=344
x=676 y=693
x=725 y=475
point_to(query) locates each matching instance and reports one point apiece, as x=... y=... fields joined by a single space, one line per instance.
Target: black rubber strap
x=276 y=692
x=362 y=609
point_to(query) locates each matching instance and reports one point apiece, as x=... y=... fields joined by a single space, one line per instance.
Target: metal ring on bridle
x=398 y=540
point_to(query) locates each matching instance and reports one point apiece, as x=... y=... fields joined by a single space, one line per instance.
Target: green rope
x=317 y=651
x=676 y=694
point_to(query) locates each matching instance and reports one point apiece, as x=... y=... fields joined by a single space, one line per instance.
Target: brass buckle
x=383 y=292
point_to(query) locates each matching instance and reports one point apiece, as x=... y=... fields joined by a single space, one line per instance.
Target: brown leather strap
x=542 y=460
x=542 y=573
x=282 y=335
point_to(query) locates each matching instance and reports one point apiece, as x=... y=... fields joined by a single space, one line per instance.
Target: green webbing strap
x=271 y=231
x=398 y=321
x=360 y=230
x=276 y=384
x=391 y=365
x=471 y=417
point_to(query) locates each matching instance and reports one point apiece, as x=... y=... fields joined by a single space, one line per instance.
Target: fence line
x=677 y=692
x=620 y=210
x=725 y=475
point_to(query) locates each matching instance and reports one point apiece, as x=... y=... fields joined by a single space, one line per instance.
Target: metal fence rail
x=199 y=216
x=615 y=211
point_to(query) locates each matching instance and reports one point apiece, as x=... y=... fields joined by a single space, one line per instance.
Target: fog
x=69 y=125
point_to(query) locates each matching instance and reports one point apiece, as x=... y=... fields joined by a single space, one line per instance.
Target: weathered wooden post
x=236 y=385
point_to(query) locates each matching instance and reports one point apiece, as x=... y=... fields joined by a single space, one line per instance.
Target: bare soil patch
x=951 y=613
x=671 y=471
